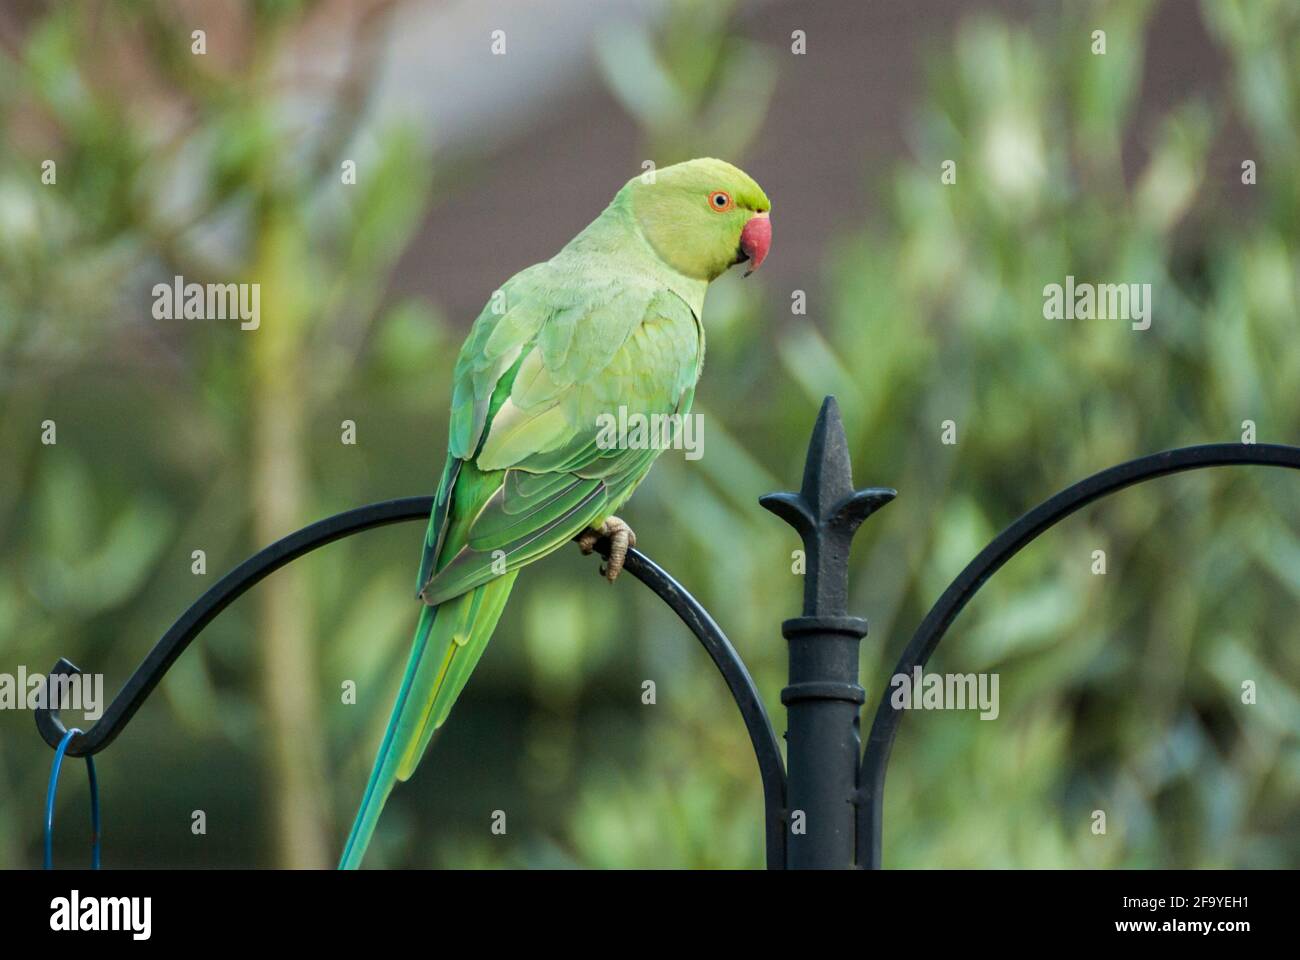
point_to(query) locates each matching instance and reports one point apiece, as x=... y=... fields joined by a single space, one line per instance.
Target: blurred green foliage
x=1119 y=692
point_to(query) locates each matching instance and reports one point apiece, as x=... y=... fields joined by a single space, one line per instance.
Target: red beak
x=755 y=239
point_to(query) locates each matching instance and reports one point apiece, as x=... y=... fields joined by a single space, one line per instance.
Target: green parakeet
x=613 y=320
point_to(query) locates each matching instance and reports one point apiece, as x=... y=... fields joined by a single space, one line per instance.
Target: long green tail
x=449 y=640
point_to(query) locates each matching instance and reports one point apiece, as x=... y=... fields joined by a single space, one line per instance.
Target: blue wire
x=49 y=804
x=94 y=813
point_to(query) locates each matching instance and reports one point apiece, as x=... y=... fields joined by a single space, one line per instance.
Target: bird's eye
x=720 y=201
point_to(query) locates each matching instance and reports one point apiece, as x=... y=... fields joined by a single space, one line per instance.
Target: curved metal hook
x=1002 y=548
x=174 y=642
x=228 y=589
x=767 y=750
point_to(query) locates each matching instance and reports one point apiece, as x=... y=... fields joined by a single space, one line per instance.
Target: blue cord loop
x=49 y=803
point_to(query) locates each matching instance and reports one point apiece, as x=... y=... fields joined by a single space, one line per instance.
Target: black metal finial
x=827 y=512
x=823 y=694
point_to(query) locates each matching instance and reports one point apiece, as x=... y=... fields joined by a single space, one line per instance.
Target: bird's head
x=702 y=216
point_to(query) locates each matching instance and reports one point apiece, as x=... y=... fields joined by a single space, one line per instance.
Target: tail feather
x=468 y=637
x=449 y=640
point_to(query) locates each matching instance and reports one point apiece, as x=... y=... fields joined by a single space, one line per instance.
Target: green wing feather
x=561 y=343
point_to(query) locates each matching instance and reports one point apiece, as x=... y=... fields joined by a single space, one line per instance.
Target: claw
x=621 y=539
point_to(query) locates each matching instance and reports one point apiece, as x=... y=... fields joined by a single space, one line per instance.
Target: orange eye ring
x=720 y=201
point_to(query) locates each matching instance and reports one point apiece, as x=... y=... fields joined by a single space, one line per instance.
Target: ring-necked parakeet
x=613 y=320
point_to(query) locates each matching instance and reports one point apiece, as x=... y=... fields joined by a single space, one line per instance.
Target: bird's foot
x=621 y=539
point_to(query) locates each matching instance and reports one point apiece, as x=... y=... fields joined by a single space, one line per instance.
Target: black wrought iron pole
x=823 y=699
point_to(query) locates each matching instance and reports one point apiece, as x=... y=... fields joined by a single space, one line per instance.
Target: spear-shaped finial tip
x=827 y=472
x=826 y=496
